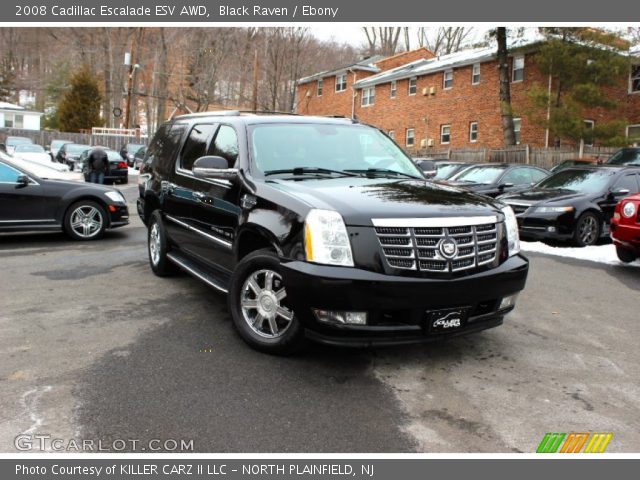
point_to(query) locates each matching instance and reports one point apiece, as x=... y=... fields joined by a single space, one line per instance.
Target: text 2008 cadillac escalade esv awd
x=322 y=228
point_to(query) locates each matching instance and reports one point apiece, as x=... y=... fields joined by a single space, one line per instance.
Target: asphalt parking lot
x=94 y=346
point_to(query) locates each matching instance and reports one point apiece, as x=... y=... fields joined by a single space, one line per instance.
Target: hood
x=543 y=195
x=359 y=199
x=34 y=157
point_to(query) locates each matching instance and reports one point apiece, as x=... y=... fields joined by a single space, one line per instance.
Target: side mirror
x=214 y=167
x=22 y=181
x=623 y=192
x=502 y=186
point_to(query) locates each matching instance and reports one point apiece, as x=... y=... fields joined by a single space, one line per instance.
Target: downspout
x=353 y=95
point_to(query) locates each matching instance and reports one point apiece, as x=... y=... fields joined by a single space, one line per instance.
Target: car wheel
x=258 y=304
x=85 y=220
x=158 y=246
x=625 y=255
x=587 y=230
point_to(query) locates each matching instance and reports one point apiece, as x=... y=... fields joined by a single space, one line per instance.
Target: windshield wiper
x=377 y=171
x=308 y=170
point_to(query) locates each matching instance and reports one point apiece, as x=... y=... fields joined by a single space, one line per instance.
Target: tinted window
x=225 y=145
x=518 y=176
x=485 y=175
x=628 y=182
x=537 y=175
x=446 y=170
x=8 y=174
x=626 y=156
x=587 y=180
x=164 y=146
x=196 y=145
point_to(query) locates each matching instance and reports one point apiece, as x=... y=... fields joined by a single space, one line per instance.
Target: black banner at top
x=299 y=11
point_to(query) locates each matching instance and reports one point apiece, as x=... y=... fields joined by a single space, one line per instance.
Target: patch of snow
x=597 y=253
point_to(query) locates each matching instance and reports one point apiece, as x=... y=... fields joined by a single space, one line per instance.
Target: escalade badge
x=448 y=248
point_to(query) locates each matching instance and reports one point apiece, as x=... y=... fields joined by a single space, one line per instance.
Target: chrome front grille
x=421 y=248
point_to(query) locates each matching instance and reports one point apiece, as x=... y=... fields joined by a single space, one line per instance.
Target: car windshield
x=58 y=143
x=113 y=155
x=482 y=174
x=625 y=156
x=29 y=148
x=76 y=149
x=12 y=141
x=585 y=181
x=281 y=147
x=445 y=170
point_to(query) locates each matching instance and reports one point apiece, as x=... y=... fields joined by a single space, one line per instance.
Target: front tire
x=158 y=246
x=258 y=304
x=587 y=230
x=625 y=255
x=85 y=220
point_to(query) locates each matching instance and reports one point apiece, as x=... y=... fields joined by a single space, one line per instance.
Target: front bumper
x=546 y=226
x=118 y=215
x=626 y=235
x=397 y=306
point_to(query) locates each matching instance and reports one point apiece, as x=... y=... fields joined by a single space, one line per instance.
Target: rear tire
x=587 y=231
x=158 y=246
x=625 y=255
x=258 y=305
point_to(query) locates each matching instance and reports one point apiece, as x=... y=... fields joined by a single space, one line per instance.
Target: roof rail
x=268 y=112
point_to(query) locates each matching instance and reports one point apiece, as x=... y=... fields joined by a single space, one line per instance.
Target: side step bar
x=196 y=271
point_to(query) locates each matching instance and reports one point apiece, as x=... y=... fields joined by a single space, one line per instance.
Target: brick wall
x=457 y=106
x=403 y=58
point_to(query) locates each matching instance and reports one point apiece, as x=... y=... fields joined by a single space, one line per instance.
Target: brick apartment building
x=452 y=101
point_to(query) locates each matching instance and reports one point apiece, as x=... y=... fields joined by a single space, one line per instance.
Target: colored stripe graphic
x=550 y=443
x=598 y=443
x=573 y=442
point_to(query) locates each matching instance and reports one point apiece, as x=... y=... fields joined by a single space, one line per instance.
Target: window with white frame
x=319 y=88
x=518 y=69
x=589 y=125
x=445 y=134
x=394 y=89
x=368 y=96
x=517 y=125
x=475 y=74
x=633 y=134
x=409 y=137
x=447 y=79
x=634 y=79
x=413 y=85
x=12 y=120
x=341 y=82
x=473 y=132
x=392 y=134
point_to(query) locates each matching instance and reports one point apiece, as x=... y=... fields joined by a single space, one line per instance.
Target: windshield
x=486 y=175
x=58 y=143
x=29 y=148
x=625 y=156
x=113 y=155
x=11 y=141
x=76 y=149
x=586 y=181
x=445 y=170
x=277 y=147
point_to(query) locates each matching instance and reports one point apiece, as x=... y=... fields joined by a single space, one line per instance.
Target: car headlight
x=511 y=227
x=553 y=209
x=326 y=240
x=115 y=196
x=628 y=210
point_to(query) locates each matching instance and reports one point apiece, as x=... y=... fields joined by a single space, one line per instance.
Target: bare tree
x=506 y=112
x=382 y=40
x=444 y=40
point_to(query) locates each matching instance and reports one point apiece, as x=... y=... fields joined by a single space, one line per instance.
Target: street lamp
x=130 y=83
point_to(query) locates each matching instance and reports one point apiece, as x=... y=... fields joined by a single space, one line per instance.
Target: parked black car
x=447 y=169
x=428 y=166
x=323 y=228
x=69 y=154
x=138 y=158
x=54 y=148
x=128 y=151
x=82 y=211
x=625 y=156
x=574 y=204
x=493 y=179
x=118 y=168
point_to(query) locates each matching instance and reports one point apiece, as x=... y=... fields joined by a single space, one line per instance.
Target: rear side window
x=164 y=145
x=628 y=182
x=196 y=145
x=225 y=145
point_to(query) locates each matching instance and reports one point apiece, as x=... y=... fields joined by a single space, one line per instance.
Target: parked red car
x=625 y=228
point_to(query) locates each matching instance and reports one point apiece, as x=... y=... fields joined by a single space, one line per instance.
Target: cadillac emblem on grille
x=448 y=248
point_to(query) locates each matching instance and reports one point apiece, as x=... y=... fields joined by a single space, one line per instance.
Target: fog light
x=341 y=317
x=508 y=302
x=551 y=229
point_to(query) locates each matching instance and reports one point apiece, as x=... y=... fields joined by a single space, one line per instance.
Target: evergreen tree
x=79 y=107
x=582 y=63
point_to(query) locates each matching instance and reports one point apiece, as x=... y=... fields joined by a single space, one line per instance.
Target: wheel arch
x=253 y=237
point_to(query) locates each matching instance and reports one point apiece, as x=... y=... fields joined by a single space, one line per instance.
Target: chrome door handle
x=199 y=196
x=167 y=187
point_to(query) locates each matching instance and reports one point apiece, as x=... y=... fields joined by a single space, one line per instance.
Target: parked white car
x=33 y=153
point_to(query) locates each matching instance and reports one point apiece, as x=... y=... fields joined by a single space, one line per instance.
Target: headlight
x=326 y=239
x=511 y=226
x=553 y=209
x=115 y=196
x=628 y=210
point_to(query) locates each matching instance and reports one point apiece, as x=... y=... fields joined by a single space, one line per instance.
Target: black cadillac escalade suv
x=322 y=228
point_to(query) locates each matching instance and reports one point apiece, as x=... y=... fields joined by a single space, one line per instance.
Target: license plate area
x=446 y=320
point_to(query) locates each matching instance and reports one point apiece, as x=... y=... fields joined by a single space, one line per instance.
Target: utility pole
x=129 y=59
x=255 y=82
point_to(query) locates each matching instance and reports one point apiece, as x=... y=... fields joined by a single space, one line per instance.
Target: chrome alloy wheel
x=154 y=244
x=86 y=221
x=261 y=302
x=587 y=230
